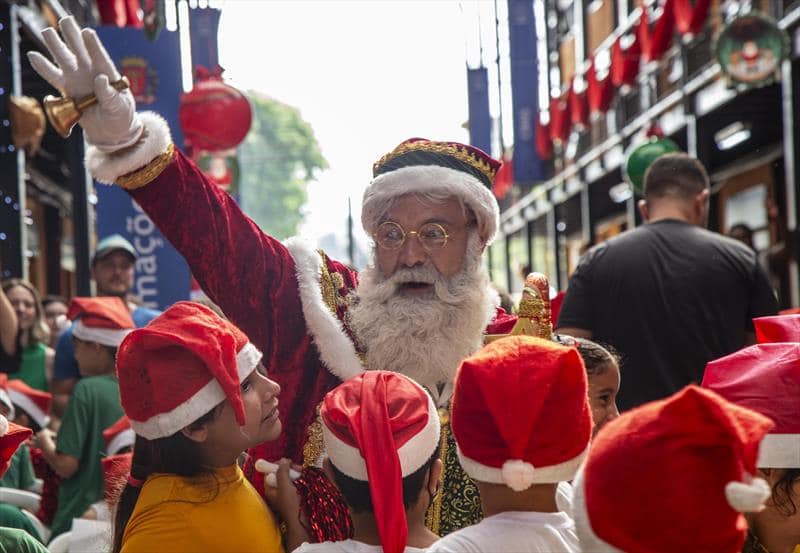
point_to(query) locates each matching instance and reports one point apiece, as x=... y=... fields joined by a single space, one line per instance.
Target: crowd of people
x=399 y=409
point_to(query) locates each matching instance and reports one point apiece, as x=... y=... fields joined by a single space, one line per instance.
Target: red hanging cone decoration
x=504 y=179
x=559 y=119
x=689 y=19
x=654 y=131
x=656 y=43
x=214 y=116
x=599 y=94
x=119 y=13
x=625 y=63
x=578 y=107
x=324 y=507
x=544 y=145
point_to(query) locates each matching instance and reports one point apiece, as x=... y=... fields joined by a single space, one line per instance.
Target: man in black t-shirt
x=669 y=295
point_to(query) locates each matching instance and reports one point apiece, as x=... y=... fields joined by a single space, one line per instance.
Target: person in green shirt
x=75 y=454
x=14 y=539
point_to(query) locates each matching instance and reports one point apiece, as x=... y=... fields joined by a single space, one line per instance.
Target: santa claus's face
x=410 y=215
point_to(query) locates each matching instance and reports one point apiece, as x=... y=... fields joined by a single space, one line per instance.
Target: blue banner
x=480 y=120
x=528 y=168
x=154 y=69
x=204 y=25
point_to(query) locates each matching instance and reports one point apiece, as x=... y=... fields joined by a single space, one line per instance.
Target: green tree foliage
x=278 y=157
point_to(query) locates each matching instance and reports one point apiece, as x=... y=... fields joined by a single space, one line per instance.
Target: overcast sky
x=364 y=74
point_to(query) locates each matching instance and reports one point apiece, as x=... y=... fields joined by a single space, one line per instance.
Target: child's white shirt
x=346 y=546
x=514 y=532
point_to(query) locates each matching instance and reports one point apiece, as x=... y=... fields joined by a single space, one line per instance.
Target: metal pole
x=16 y=86
x=79 y=184
x=789 y=150
x=350 y=245
x=499 y=81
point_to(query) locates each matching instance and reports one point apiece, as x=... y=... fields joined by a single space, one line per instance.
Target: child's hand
x=283 y=497
x=44 y=440
x=281 y=493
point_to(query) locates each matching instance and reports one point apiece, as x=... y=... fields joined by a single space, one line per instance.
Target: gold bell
x=533 y=314
x=64 y=113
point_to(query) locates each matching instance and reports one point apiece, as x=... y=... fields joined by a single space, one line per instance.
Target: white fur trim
x=5 y=400
x=103 y=336
x=121 y=440
x=779 y=451
x=3 y=425
x=412 y=454
x=336 y=349
x=748 y=497
x=539 y=475
x=107 y=167
x=418 y=179
x=210 y=395
x=583 y=525
x=26 y=404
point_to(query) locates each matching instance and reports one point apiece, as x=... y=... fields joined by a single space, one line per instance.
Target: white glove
x=84 y=68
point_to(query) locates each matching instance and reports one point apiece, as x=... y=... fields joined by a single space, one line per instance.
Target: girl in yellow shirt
x=197 y=396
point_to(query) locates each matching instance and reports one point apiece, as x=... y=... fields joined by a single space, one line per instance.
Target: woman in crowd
x=33 y=335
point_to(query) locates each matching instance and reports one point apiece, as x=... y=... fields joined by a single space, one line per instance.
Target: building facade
x=618 y=70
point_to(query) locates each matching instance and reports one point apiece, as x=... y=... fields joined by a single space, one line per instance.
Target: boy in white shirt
x=522 y=423
x=381 y=433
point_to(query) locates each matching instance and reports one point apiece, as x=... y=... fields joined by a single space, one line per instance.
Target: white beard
x=423 y=337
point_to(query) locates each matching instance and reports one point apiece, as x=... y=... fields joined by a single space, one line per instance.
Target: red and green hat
x=421 y=166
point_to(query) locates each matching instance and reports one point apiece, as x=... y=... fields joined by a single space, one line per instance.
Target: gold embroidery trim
x=315 y=445
x=149 y=172
x=451 y=150
x=327 y=285
x=435 y=512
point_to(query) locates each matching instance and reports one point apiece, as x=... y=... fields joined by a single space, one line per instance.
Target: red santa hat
x=116 y=469
x=420 y=166
x=11 y=436
x=506 y=399
x=35 y=403
x=180 y=366
x=103 y=320
x=777 y=328
x=380 y=427
x=766 y=379
x=118 y=436
x=690 y=458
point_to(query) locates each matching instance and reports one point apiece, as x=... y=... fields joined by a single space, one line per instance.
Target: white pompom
x=517 y=474
x=265 y=467
x=748 y=498
x=3 y=425
x=271 y=480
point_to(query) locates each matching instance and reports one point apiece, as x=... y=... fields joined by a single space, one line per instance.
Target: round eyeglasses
x=391 y=236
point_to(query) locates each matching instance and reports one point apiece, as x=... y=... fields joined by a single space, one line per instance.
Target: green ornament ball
x=640 y=157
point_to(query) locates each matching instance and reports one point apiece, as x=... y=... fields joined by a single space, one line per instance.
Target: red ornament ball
x=214 y=116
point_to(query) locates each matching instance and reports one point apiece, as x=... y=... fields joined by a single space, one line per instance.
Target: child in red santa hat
x=100 y=326
x=672 y=475
x=381 y=432
x=521 y=419
x=14 y=539
x=766 y=378
x=602 y=372
x=197 y=396
x=119 y=438
x=20 y=473
x=30 y=408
